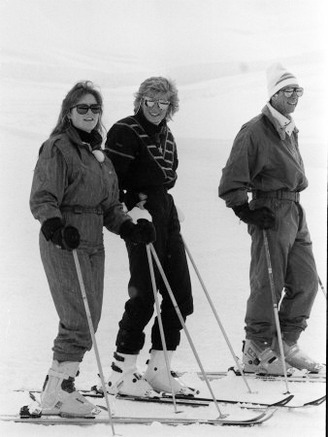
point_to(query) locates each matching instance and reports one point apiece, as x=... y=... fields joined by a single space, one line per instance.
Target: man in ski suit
x=143 y=151
x=265 y=160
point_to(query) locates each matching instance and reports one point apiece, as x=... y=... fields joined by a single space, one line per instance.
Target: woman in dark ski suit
x=74 y=194
x=144 y=154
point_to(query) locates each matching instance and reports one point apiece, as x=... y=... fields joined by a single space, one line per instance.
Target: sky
x=54 y=43
x=161 y=34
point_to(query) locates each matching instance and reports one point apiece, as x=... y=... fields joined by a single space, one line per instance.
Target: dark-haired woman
x=74 y=194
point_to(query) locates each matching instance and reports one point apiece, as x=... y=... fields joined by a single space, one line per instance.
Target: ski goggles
x=288 y=92
x=83 y=109
x=162 y=104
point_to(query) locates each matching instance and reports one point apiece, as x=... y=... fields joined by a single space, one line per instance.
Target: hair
x=79 y=90
x=157 y=85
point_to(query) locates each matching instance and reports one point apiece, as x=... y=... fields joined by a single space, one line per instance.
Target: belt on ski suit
x=79 y=209
x=278 y=194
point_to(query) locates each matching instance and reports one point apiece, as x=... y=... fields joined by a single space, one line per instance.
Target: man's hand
x=263 y=217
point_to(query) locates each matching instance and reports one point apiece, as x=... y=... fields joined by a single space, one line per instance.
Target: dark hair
x=158 y=85
x=78 y=91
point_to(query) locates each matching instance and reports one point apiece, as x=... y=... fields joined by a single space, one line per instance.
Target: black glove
x=263 y=217
x=143 y=232
x=66 y=237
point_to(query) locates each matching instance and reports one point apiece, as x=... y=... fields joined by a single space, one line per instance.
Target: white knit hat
x=278 y=77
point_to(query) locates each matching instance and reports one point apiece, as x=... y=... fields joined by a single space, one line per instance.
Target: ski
x=226 y=419
x=192 y=402
x=164 y=398
x=313 y=403
x=197 y=401
x=282 y=403
x=200 y=401
x=300 y=376
x=254 y=419
x=244 y=404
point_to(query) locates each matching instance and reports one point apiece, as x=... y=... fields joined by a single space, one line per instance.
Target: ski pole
x=275 y=306
x=160 y=324
x=178 y=312
x=322 y=287
x=92 y=333
x=216 y=315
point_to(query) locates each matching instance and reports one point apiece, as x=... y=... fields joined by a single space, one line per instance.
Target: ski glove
x=65 y=237
x=143 y=232
x=263 y=217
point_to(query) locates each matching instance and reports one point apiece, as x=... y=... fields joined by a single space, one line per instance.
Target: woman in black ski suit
x=143 y=151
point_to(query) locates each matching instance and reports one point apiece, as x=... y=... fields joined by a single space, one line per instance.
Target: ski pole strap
x=80 y=209
x=278 y=194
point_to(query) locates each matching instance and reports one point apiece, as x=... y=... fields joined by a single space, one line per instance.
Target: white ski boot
x=126 y=379
x=59 y=395
x=295 y=357
x=261 y=359
x=157 y=376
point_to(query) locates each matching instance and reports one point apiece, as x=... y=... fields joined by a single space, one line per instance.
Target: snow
x=217 y=52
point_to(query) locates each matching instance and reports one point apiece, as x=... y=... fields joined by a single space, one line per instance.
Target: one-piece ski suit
x=266 y=161
x=145 y=159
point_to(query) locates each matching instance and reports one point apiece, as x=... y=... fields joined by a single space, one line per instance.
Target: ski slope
x=217 y=52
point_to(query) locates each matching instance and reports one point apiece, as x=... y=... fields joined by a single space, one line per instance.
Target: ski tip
x=256 y=420
x=283 y=402
x=316 y=402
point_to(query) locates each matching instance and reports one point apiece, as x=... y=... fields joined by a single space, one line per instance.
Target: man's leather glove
x=143 y=232
x=263 y=217
x=66 y=237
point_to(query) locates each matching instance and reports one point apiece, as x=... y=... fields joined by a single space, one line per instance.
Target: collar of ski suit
x=93 y=138
x=150 y=128
x=284 y=125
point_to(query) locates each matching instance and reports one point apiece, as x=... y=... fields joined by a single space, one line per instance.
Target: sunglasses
x=162 y=104
x=82 y=109
x=288 y=92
